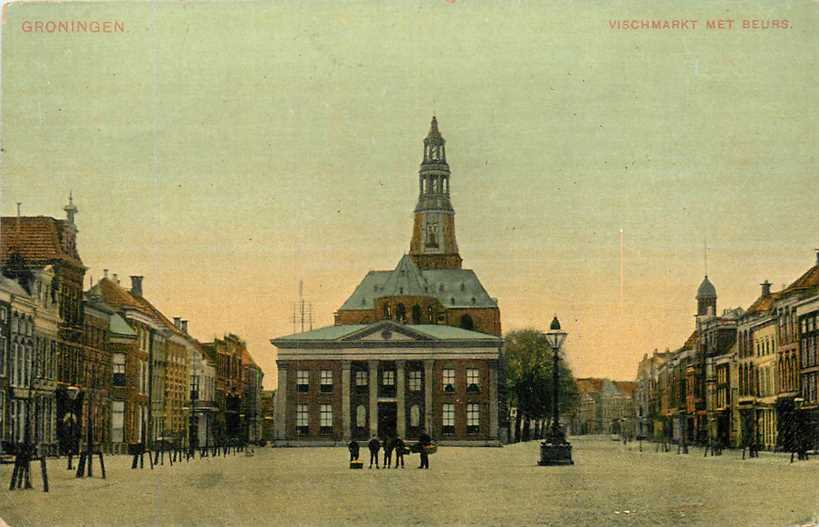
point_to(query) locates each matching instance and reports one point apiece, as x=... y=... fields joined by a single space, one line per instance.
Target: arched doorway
x=467 y=323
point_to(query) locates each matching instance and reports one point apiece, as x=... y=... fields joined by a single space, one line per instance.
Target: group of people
x=392 y=445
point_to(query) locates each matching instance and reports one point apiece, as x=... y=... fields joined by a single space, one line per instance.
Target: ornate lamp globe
x=555 y=336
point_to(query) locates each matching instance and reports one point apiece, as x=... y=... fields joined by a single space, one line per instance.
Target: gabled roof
x=13 y=287
x=247 y=359
x=117 y=297
x=39 y=239
x=809 y=280
x=763 y=304
x=452 y=287
x=691 y=341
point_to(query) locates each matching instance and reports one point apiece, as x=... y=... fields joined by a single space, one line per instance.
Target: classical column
x=345 y=400
x=493 y=401
x=400 y=390
x=372 y=380
x=281 y=402
x=428 y=380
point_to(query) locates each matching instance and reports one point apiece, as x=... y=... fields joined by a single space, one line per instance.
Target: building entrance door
x=387 y=419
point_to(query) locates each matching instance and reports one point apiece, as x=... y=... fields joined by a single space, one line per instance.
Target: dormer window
x=463 y=287
x=441 y=288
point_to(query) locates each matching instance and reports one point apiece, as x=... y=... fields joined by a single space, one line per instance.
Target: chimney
x=136 y=285
x=184 y=325
x=766 y=288
x=817 y=256
x=105 y=273
x=177 y=323
x=116 y=278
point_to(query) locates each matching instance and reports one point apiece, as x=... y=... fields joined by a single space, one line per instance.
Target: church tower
x=433 y=244
x=706 y=298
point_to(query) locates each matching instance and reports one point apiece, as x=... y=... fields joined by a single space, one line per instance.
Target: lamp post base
x=555 y=453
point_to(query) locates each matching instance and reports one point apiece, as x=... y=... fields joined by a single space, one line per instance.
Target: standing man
x=389 y=444
x=354 y=449
x=399 y=451
x=374 y=446
x=424 y=440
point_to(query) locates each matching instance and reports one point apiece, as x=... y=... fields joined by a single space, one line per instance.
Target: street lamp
x=555 y=450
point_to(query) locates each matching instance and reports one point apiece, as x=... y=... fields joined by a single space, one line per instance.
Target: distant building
x=605 y=407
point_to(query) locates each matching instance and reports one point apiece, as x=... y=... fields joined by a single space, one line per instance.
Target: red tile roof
x=39 y=239
x=808 y=280
x=762 y=304
x=247 y=359
x=117 y=297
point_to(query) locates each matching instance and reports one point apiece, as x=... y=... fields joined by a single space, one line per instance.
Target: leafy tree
x=529 y=363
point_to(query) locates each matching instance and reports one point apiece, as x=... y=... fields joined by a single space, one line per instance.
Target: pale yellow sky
x=227 y=150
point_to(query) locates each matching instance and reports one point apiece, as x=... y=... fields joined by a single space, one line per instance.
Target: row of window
x=414 y=379
x=809 y=387
x=473 y=418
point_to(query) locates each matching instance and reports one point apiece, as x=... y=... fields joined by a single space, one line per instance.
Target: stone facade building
x=416 y=347
x=29 y=244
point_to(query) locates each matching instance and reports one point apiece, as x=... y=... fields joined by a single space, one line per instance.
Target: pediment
x=387 y=331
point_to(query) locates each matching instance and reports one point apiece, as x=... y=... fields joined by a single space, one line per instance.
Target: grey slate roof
x=452 y=287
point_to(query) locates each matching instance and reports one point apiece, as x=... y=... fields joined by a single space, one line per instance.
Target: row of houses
x=106 y=357
x=743 y=377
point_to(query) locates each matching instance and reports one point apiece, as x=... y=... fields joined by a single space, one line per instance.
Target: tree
x=529 y=360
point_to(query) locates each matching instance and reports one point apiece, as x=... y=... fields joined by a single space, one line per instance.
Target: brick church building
x=416 y=347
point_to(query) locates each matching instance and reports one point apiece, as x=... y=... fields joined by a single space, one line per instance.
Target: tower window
x=401 y=313
x=416 y=314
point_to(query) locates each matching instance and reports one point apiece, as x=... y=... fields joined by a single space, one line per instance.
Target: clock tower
x=433 y=244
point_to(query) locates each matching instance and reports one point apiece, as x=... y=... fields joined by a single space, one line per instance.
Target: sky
x=226 y=151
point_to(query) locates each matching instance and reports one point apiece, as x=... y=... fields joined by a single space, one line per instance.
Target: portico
x=386 y=378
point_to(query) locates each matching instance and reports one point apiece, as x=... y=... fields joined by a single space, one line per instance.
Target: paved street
x=609 y=485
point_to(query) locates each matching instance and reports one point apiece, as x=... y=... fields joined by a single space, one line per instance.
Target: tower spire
x=433 y=244
x=71 y=210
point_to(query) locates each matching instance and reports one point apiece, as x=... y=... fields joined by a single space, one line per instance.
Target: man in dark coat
x=424 y=440
x=389 y=445
x=374 y=445
x=399 y=451
x=353 y=448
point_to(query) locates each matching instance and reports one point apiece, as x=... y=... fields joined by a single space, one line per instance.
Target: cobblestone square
x=610 y=484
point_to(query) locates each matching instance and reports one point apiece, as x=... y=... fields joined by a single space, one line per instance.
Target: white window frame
x=361 y=378
x=326 y=416
x=473 y=417
x=326 y=375
x=302 y=416
x=302 y=375
x=473 y=376
x=415 y=380
x=448 y=378
x=448 y=417
x=388 y=378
